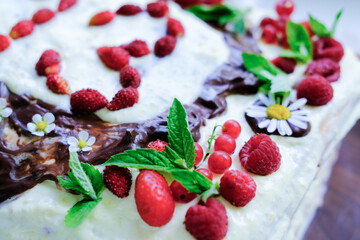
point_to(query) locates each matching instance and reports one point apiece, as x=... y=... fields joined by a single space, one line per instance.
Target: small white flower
x=278 y=116
x=4 y=111
x=41 y=125
x=83 y=143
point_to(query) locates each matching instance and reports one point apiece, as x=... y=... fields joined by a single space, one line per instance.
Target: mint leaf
x=214 y=190
x=95 y=177
x=320 y=29
x=71 y=183
x=193 y=181
x=333 y=28
x=239 y=24
x=79 y=212
x=180 y=138
x=178 y=161
x=217 y=13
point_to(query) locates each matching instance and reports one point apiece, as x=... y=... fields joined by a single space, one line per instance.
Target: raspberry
x=118 y=180
x=158 y=145
x=114 y=57
x=124 y=98
x=180 y=193
x=260 y=155
x=199 y=154
x=43 y=16
x=285 y=7
x=57 y=84
x=129 y=77
x=158 y=9
x=237 y=187
x=268 y=21
x=219 y=162
x=328 y=48
x=285 y=64
x=4 y=42
x=231 y=128
x=269 y=34
x=208 y=221
x=205 y=172
x=316 y=89
x=164 y=46
x=129 y=10
x=87 y=101
x=225 y=143
x=102 y=18
x=174 y=28
x=49 y=63
x=22 y=29
x=137 y=48
x=66 y=4
x=188 y=3
x=153 y=198
x=326 y=68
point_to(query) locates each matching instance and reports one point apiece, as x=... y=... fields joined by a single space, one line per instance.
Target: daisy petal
x=50 y=128
x=264 y=99
x=37 y=118
x=38 y=133
x=300 y=112
x=83 y=136
x=297 y=104
x=301 y=118
x=255 y=114
x=272 y=99
x=49 y=117
x=86 y=149
x=31 y=127
x=281 y=128
x=6 y=112
x=72 y=141
x=286 y=101
x=297 y=123
x=91 y=141
x=74 y=148
x=257 y=108
x=264 y=124
x=272 y=126
x=3 y=102
x=287 y=128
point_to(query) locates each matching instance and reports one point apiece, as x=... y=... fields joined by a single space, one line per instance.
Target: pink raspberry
x=328 y=48
x=326 y=68
x=316 y=89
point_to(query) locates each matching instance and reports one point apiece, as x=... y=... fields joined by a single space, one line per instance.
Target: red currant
x=225 y=143
x=219 y=162
x=205 y=172
x=232 y=128
x=199 y=154
x=269 y=34
x=285 y=7
x=180 y=193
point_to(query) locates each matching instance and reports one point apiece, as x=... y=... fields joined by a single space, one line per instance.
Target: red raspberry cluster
x=190 y=3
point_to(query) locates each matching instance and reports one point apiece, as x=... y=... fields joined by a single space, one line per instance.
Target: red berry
x=285 y=7
x=307 y=26
x=153 y=198
x=260 y=155
x=118 y=180
x=102 y=18
x=268 y=21
x=175 y=28
x=130 y=77
x=208 y=221
x=328 y=48
x=212 y=2
x=4 y=42
x=188 y=3
x=114 y=57
x=269 y=34
x=137 y=48
x=158 y=145
x=231 y=128
x=87 y=101
x=126 y=97
x=237 y=187
x=57 y=84
x=49 y=63
x=66 y=4
x=199 y=154
x=316 y=89
x=22 y=29
x=158 y=9
x=285 y=64
x=43 y=16
x=219 y=162
x=129 y=10
x=326 y=68
x=225 y=143
x=164 y=46
x=180 y=193
x=205 y=172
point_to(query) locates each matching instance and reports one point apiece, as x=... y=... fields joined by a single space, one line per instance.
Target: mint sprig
x=320 y=29
x=301 y=47
x=86 y=180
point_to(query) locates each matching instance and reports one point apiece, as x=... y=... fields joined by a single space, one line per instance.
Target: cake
x=204 y=69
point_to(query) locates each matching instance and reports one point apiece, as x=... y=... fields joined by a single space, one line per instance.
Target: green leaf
x=71 y=184
x=214 y=190
x=142 y=159
x=239 y=24
x=193 y=181
x=318 y=28
x=95 y=176
x=180 y=138
x=173 y=157
x=218 y=13
x=79 y=212
x=299 y=40
x=291 y=54
x=257 y=64
x=333 y=28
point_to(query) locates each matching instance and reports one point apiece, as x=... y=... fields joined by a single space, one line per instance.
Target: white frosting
x=179 y=75
x=39 y=213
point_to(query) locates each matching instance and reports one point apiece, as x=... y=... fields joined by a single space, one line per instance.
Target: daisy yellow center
x=81 y=144
x=278 y=112
x=41 y=126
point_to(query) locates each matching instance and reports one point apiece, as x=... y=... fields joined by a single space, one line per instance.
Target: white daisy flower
x=278 y=116
x=42 y=125
x=4 y=111
x=83 y=143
